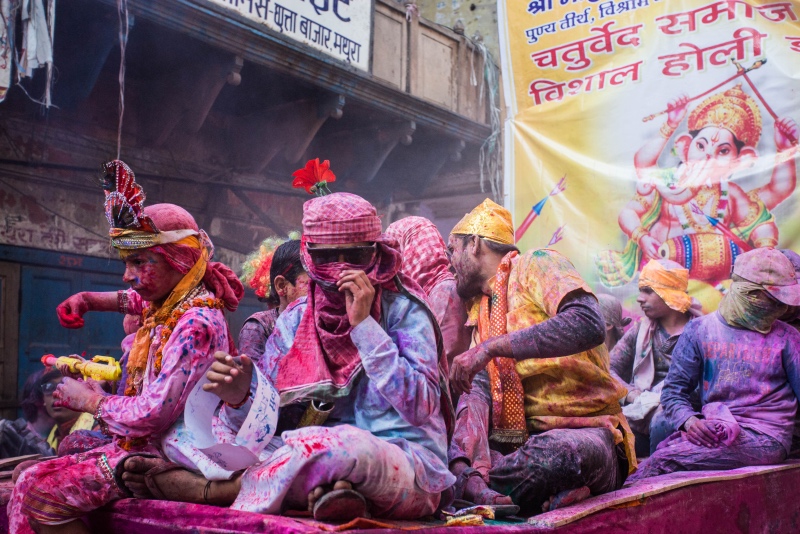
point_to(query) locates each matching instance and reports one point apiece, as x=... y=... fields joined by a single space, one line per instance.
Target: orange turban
x=670 y=281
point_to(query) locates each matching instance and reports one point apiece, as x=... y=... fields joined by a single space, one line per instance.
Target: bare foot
x=175 y=485
x=317 y=493
x=478 y=491
x=566 y=498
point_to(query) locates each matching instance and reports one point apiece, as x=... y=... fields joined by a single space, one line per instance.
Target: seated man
x=364 y=343
x=167 y=264
x=748 y=364
x=641 y=359
x=543 y=395
x=425 y=261
x=28 y=434
x=611 y=308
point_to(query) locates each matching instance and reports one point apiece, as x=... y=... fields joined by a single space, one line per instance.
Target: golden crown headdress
x=733 y=110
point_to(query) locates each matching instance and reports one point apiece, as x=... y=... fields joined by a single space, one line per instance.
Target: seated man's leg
x=750 y=448
x=660 y=429
x=316 y=457
x=558 y=461
x=54 y=495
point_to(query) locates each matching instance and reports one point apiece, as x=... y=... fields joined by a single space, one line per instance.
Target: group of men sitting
x=395 y=326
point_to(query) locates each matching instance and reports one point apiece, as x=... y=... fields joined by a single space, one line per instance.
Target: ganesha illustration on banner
x=694 y=213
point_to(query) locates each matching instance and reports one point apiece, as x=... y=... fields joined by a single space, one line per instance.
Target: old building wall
x=476 y=15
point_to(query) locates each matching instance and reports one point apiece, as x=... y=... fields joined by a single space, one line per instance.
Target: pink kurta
x=66 y=488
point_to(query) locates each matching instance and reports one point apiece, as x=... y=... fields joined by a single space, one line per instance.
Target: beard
x=468 y=284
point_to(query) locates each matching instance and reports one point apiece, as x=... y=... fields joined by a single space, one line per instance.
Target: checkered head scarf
x=323 y=361
x=424 y=251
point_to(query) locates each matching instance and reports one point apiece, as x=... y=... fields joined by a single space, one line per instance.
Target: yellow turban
x=490 y=221
x=670 y=281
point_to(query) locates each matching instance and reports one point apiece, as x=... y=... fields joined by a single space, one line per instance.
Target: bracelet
x=666 y=130
x=638 y=234
x=239 y=405
x=98 y=416
x=205 y=492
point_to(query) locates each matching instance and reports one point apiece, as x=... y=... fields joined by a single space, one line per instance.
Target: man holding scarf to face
x=748 y=366
x=180 y=294
x=362 y=347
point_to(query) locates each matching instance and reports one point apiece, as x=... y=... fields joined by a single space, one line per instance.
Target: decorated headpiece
x=490 y=221
x=257 y=266
x=314 y=177
x=733 y=110
x=670 y=281
x=131 y=228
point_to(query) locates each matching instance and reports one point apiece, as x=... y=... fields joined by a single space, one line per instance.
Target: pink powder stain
x=270 y=471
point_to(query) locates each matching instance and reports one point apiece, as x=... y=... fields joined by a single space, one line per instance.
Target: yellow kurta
x=575 y=391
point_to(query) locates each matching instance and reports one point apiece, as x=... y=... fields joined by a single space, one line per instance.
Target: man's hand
x=632 y=395
x=359 y=295
x=63 y=368
x=70 y=312
x=676 y=111
x=229 y=380
x=700 y=432
x=466 y=365
x=78 y=395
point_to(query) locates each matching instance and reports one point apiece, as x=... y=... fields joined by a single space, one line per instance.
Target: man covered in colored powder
x=747 y=364
x=181 y=295
x=611 y=308
x=425 y=261
x=362 y=346
x=276 y=274
x=668 y=216
x=540 y=424
x=642 y=357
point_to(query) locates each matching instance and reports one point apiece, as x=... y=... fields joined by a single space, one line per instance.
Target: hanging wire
x=124 y=27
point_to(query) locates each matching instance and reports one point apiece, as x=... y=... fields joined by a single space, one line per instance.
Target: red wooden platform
x=749 y=500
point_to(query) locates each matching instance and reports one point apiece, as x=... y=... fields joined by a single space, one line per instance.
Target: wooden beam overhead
x=225 y=29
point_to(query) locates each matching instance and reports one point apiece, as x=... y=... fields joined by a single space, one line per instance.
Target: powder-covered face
x=466 y=268
x=59 y=414
x=150 y=275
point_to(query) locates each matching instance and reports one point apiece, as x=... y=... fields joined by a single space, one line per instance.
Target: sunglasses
x=48 y=388
x=352 y=255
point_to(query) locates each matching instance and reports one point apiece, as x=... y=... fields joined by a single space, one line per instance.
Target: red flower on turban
x=314 y=176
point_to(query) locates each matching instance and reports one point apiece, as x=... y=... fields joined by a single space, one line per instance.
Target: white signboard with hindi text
x=339 y=28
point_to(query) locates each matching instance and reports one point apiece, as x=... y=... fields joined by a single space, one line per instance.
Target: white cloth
x=316 y=456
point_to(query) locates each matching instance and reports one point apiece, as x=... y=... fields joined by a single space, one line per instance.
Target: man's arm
x=791 y=360
x=403 y=366
x=578 y=326
x=685 y=373
x=623 y=355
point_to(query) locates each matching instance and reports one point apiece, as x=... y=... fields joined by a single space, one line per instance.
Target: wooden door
x=9 y=329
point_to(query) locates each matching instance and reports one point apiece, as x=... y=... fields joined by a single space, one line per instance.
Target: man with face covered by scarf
x=748 y=365
x=362 y=347
x=180 y=294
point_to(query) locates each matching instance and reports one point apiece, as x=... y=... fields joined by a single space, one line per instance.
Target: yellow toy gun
x=98 y=368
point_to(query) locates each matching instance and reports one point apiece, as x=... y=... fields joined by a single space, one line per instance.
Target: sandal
x=340 y=506
x=461 y=482
x=149 y=476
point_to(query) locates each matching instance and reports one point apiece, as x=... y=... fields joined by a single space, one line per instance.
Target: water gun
x=98 y=368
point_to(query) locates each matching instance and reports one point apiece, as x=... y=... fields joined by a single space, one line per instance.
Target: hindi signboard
x=658 y=129
x=339 y=28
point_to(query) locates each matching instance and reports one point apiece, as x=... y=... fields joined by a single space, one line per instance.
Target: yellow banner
x=646 y=129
